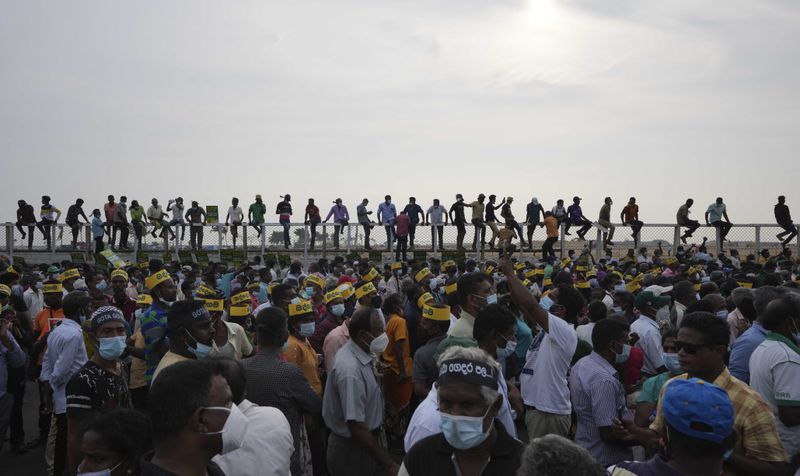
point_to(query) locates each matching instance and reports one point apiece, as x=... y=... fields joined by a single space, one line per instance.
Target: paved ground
x=31 y=463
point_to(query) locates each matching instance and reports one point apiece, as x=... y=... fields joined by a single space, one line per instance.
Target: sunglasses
x=689 y=348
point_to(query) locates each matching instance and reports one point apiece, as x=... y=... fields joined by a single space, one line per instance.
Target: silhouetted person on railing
x=234 y=218
x=196 y=217
x=255 y=214
x=386 y=215
x=477 y=222
x=491 y=218
x=416 y=215
x=784 y=219
x=364 y=221
x=341 y=217
x=714 y=217
x=457 y=218
x=436 y=217
x=577 y=218
x=630 y=216
x=108 y=209
x=26 y=217
x=682 y=219
x=284 y=212
x=121 y=222
x=532 y=213
x=73 y=213
x=505 y=212
x=48 y=216
x=312 y=218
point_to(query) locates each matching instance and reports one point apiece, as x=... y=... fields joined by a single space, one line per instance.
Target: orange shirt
x=44 y=322
x=397 y=331
x=630 y=212
x=303 y=355
x=551 y=224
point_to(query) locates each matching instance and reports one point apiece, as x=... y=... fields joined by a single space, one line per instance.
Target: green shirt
x=652 y=387
x=258 y=210
x=137 y=213
x=605 y=212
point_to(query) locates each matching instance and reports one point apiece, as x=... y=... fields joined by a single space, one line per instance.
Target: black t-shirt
x=93 y=388
x=490 y=216
x=195 y=214
x=25 y=214
x=146 y=468
x=73 y=212
x=782 y=214
x=434 y=456
x=458 y=210
x=284 y=208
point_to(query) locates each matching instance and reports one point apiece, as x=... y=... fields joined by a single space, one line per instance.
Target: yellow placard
x=144 y=299
x=451 y=288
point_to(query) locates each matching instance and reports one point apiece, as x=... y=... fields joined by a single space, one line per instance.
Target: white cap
x=658 y=290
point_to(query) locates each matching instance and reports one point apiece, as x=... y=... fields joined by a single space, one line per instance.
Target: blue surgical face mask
x=463 y=432
x=620 y=288
x=307 y=328
x=104 y=472
x=111 y=348
x=723 y=314
x=102 y=285
x=626 y=353
x=200 y=351
x=491 y=299
x=309 y=292
x=546 y=303
x=337 y=310
x=285 y=346
x=671 y=363
x=504 y=352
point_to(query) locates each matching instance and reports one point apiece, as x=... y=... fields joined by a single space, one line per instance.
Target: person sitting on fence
x=630 y=217
x=505 y=212
x=255 y=215
x=73 y=213
x=138 y=220
x=197 y=218
x=156 y=216
x=576 y=217
x=26 y=217
x=714 y=214
x=312 y=218
x=784 y=219
x=683 y=220
x=49 y=216
x=176 y=207
x=234 y=218
x=340 y=218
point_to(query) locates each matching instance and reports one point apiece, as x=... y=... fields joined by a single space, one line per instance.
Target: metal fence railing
x=219 y=241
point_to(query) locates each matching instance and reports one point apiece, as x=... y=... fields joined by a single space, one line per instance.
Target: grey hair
x=554 y=455
x=474 y=353
x=739 y=295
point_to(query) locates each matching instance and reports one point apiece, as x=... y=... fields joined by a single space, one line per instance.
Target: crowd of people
x=662 y=364
x=112 y=226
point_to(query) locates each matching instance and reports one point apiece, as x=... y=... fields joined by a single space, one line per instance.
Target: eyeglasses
x=688 y=348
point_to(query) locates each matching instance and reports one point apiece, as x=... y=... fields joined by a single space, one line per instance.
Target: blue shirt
x=414 y=212
x=743 y=348
x=65 y=355
x=387 y=213
x=13 y=357
x=524 y=339
x=97 y=228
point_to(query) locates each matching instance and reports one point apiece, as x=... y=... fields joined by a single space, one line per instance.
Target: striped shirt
x=598 y=398
x=64 y=357
x=754 y=423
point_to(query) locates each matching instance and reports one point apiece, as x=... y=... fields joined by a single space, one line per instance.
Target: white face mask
x=378 y=344
x=233 y=431
x=104 y=472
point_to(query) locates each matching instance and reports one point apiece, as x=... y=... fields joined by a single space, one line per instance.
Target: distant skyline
x=546 y=98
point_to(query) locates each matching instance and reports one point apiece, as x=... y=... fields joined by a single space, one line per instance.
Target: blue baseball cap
x=698 y=409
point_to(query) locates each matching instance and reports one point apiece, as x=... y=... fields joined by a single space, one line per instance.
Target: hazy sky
x=661 y=99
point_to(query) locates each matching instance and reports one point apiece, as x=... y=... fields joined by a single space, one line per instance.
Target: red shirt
x=401 y=224
x=313 y=212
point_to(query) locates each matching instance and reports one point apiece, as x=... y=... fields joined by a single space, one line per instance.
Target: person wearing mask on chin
x=474 y=293
x=353 y=404
x=154 y=319
x=193 y=419
x=65 y=356
x=119 y=296
x=101 y=384
x=191 y=334
x=543 y=380
x=472 y=440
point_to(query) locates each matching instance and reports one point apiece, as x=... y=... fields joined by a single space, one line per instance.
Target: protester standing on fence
x=340 y=219
x=477 y=222
x=551 y=226
x=139 y=222
x=532 y=213
x=509 y=218
x=197 y=218
x=491 y=218
x=436 y=217
x=234 y=218
x=630 y=216
x=255 y=215
x=73 y=213
x=416 y=215
x=49 y=216
x=156 y=216
x=559 y=211
x=108 y=209
x=284 y=212
x=312 y=218
x=782 y=216
x=386 y=215
x=683 y=220
x=97 y=230
x=26 y=217
x=176 y=207
x=121 y=222
x=714 y=217
x=364 y=221
x=402 y=223
x=577 y=218
x=605 y=220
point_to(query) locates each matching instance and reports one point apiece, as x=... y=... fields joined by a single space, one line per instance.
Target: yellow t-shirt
x=397 y=331
x=303 y=355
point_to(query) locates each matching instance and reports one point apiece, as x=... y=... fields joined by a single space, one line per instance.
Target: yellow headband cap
x=437 y=312
x=70 y=274
x=301 y=308
x=239 y=311
x=424 y=299
x=240 y=298
x=421 y=274
x=314 y=279
x=371 y=275
x=154 y=280
x=53 y=288
x=214 y=305
x=119 y=273
x=365 y=289
x=451 y=288
x=144 y=299
x=332 y=295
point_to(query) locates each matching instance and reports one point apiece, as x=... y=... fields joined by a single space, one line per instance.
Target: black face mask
x=376 y=302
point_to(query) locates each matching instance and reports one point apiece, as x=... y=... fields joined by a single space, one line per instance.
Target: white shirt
x=436 y=215
x=715 y=212
x=177 y=211
x=584 y=332
x=267 y=446
x=33 y=300
x=236 y=215
x=544 y=378
x=608 y=300
x=775 y=375
x=65 y=355
x=650 y=343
